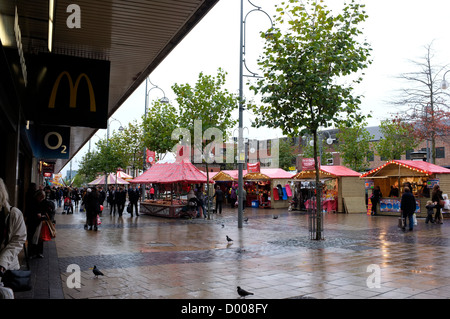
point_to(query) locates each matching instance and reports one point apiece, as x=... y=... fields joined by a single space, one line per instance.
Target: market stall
x=172 y=180
x=260 y=185
x=110 y=180
x=420 y=176
x=342 y=192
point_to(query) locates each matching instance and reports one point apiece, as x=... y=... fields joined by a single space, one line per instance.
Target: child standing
x=430 y=208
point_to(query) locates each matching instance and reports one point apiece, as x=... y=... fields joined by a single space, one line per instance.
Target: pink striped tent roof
x=110 y=181
x=166 y=173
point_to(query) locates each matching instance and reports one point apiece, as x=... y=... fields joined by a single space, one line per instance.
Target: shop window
x=440 y=152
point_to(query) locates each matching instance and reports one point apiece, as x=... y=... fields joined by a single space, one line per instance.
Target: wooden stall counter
x=162 y=208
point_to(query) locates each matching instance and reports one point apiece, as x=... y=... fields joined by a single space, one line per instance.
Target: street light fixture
x=444 y=83
x=163 y=100
x=241 y=150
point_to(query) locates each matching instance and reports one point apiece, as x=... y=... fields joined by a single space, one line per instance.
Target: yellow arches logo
x=73 y=91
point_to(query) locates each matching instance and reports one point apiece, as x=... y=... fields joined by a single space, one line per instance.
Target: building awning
x=396 y=168
x=327 y=172
x=134 y=36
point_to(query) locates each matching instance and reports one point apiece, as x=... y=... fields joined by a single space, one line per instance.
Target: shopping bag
x=414 y=219
x=37 y=235
x=45 y=232
x=400 y=222
x=99 y=221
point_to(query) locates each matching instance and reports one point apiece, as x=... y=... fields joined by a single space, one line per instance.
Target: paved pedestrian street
x=145 y=257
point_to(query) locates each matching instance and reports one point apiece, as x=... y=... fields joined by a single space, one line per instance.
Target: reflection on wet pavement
x=151 y=257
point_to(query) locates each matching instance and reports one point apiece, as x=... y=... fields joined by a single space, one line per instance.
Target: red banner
x=150 y=157
x=253 y=167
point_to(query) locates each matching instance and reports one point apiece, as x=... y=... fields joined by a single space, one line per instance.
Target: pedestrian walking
x=408 y=207
x=121 y=198
x=112 y=201
x=430 y=210
x=233 y=197
x=438 y=200
x=219 y=199
x=133 y=196
x=375 y=199
x=92 y=206
x=13 y=234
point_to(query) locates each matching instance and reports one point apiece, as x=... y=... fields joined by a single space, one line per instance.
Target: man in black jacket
x=133 y=196
x=219 y=199
x=408 y=207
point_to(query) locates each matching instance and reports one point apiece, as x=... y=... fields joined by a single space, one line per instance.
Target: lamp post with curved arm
x=242 y=63
x=164 y=100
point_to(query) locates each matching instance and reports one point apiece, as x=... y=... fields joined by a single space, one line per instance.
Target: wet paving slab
x=361 y=257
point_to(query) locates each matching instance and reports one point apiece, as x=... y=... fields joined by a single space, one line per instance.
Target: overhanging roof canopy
x=264 y=174
x=167 y=173
x=327 y=172
x=397 y=168
x=135 y=36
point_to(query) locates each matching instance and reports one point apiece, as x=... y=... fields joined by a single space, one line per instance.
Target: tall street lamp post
x=241 y=149
x=164 y=100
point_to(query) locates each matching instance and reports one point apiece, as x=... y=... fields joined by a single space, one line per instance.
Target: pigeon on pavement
x=97 y=272
x=243 y=293
x=275 y=216
x=229 y=239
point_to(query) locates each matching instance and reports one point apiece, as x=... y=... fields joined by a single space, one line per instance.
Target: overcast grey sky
x=398 y=31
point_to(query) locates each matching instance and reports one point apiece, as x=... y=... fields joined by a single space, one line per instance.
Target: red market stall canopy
x=397 y=168
x=268 y=173
x=167 y=173
x=327 y=172
x=110 y=181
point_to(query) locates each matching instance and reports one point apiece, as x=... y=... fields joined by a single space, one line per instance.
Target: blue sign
x=49 y=142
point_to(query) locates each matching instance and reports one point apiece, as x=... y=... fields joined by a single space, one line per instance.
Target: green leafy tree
x=354 y=146
x=130 y=145
x=206 y=111
x=397 y=138
x=89 y=166
x=302 y=66
x=161 y=120
x=286 y=153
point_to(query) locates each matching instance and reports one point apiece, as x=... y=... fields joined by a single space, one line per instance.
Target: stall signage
x=69 y=90
x=432 y=182
x=369 y=184
x=308 y=164
x=393 y=205
x=254 y=167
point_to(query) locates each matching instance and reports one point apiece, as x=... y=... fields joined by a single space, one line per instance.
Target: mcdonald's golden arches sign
x=70 y=91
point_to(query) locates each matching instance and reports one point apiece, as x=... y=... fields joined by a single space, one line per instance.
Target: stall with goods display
x=265 y=187
x=392 y=177
x=342 y=189
x=173 y=181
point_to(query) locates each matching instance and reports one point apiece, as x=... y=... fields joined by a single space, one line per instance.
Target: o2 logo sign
x=54 y=141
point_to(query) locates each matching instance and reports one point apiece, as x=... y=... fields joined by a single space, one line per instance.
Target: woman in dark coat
x=375 y=199
x=408 y=207
x=92 y=206
x=436 y=198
